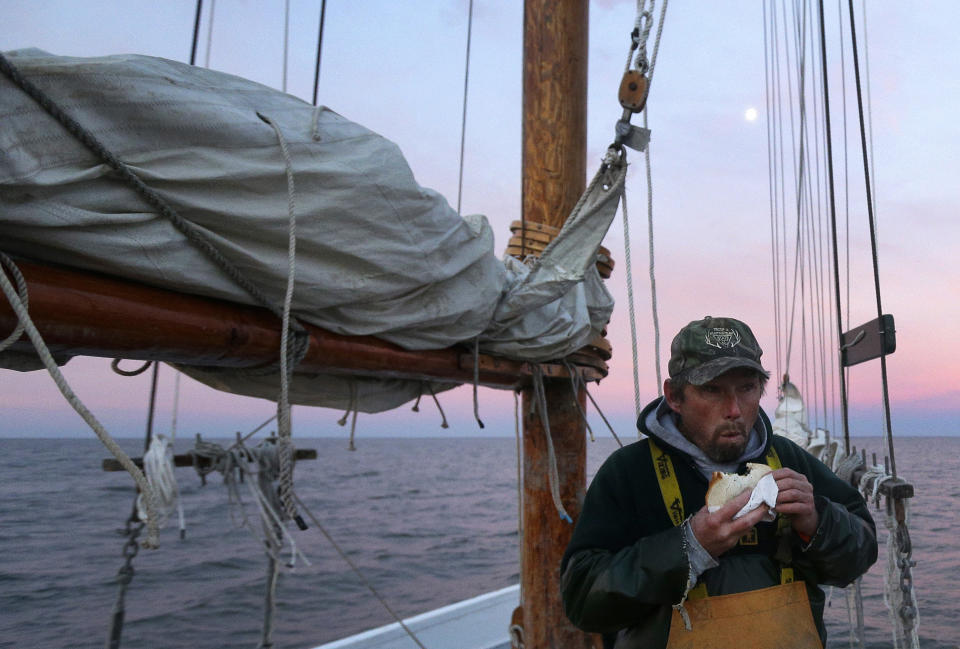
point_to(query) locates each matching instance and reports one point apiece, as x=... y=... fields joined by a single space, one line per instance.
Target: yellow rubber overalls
x=778 y=617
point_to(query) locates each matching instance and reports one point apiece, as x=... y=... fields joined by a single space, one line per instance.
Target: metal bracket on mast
x=635 y=137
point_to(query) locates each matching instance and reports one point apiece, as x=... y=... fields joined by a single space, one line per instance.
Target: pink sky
x=710 y=182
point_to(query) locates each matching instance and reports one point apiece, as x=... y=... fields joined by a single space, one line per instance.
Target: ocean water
x=428 y=521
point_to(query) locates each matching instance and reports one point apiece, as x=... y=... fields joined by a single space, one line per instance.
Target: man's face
x=719 y=415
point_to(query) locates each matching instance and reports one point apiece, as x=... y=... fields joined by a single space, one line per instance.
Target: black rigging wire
x=463 y=123
x=316 y=69
x=873 y=236
x=196 y=33
x=833 y=224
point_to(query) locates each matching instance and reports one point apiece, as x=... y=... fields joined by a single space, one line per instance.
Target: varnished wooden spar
x=80 y=313
x=554 y=176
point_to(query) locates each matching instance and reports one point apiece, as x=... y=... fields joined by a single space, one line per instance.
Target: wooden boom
x=81 y=313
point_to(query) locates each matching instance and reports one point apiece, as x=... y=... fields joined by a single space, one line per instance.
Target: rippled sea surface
x=427 y=521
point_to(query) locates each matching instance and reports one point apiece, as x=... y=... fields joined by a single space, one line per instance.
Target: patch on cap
x=722 y=337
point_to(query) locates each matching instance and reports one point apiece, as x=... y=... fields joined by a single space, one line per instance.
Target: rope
x=463 y=119
x=552 y=471
x=286 y=41
x=22 y=294
x=855 y=614
x=158 y=467
x=115 y=366
x=356 y=571
x=258 y=468
x=206 y=60
x=173 y=438
x=640 y=36
x=576 y=383
x=476 y=380
x=269 y=603
x=516 y=432
x=286 y=369
x=352 y=406
x=443 y=416
x=653 y=279
x=602 y=416
x=44 y=353
x=631 y=307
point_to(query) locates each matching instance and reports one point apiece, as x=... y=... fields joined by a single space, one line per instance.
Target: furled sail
x=377 y=254
x=790 y=421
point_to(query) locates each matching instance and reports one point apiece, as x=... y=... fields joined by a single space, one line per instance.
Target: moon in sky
x=750 y=114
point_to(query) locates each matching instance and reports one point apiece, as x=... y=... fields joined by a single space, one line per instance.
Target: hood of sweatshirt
x=659 y=420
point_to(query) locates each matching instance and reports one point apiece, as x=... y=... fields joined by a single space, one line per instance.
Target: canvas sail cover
x=376 y=253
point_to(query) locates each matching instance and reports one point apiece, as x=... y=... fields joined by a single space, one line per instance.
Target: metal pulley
x=633 y=91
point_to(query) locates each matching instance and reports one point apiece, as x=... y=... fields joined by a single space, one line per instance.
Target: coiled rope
x=158 y=467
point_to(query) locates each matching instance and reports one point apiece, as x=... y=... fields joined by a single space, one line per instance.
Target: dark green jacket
x=625 y=565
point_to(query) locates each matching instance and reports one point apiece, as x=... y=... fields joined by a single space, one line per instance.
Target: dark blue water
x=429 y=522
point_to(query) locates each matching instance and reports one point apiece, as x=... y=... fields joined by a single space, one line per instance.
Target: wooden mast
x=554 y=175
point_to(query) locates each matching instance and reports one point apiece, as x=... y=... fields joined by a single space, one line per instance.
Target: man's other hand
x=717 y=532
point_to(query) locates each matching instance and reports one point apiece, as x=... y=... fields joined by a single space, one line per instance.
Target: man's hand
x=795 y=501
x=717 y=532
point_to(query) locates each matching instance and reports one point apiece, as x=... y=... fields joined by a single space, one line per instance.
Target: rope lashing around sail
x=18 y=306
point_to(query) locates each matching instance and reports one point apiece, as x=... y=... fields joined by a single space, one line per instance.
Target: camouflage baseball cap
x=705 y=349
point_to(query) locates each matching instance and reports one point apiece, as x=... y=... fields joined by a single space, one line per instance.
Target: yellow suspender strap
x=672 y=500
x=669 y=488
x=773 y=461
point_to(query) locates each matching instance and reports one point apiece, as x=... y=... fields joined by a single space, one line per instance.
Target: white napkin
x=765 y=492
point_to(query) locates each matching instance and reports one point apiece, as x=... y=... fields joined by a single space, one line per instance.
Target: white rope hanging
x=150 y=499
x=158 y=467
x=285 y=447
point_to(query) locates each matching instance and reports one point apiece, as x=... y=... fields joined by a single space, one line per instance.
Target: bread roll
x=724 y=487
